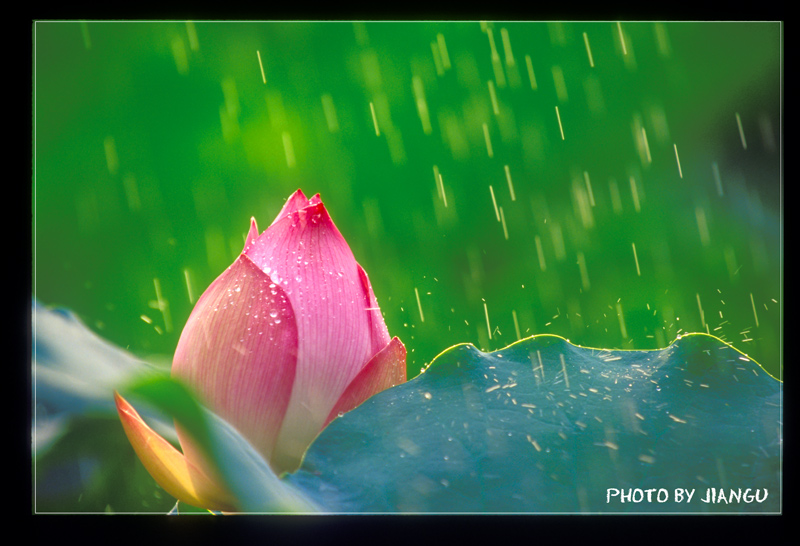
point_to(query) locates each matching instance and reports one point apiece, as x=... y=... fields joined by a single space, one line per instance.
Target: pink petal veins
x=239 y=350
x=308 y=256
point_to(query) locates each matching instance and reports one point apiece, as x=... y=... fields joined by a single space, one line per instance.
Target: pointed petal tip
x=399 y=344
x=252 y=235
x=295 y=202
x=401 y=352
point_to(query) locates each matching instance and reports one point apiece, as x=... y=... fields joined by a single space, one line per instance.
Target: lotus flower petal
x=304 y=252
x=168 y=466
x=377 y=327
x=241 y=319
x=252 y=235
x=385 y=370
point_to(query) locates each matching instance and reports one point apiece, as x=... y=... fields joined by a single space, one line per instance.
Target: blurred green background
x=617 y=184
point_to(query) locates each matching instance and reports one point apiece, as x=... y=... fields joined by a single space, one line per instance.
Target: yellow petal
x=168 y=466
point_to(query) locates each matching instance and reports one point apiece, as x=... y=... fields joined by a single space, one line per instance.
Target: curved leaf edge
x=673 y=344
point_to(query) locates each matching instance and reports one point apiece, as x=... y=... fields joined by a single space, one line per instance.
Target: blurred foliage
x=155 y=142
x=92 y=468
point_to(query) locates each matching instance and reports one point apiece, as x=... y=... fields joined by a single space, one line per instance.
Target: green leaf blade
x=246 y=473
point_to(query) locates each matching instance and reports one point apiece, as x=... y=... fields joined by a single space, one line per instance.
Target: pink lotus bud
x=288 y=337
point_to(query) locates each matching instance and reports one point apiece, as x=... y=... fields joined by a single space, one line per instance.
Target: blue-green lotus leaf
x=544 y=426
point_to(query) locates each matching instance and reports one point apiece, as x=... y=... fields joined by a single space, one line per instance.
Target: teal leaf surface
x=544 y=426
